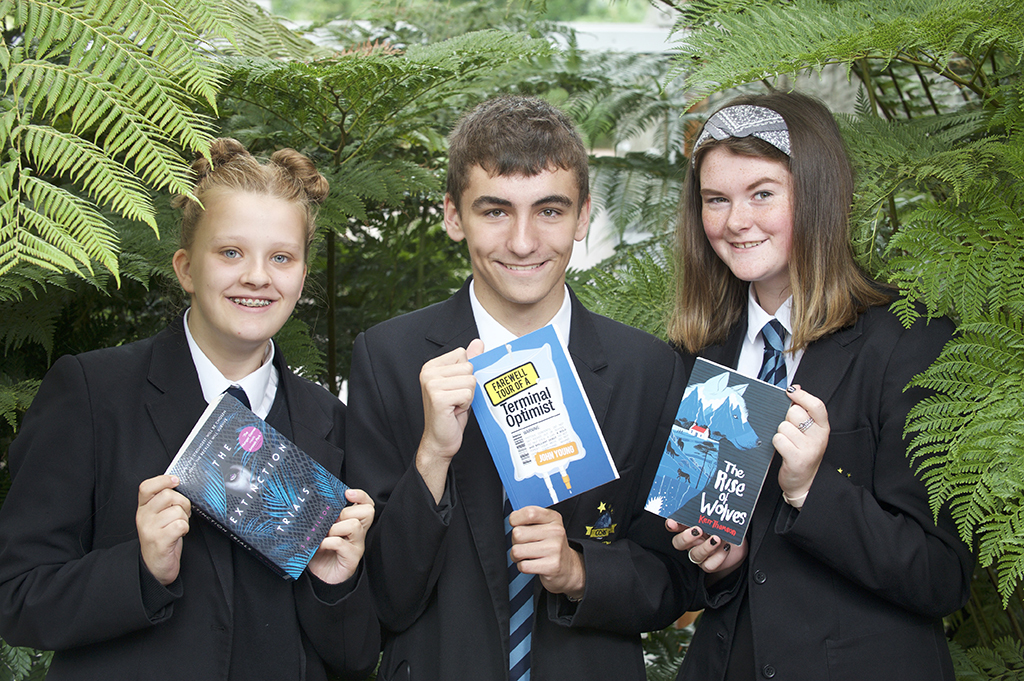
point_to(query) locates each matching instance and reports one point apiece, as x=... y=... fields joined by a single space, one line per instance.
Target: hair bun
x=303 y=173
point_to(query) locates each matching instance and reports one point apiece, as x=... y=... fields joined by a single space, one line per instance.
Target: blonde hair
x=829 y=289
x=288 y=175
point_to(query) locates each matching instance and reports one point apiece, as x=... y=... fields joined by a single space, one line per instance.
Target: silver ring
x=690 y=556
x=805 y=425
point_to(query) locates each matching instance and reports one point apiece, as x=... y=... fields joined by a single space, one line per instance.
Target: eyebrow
x=558 y=199
x=752 y=185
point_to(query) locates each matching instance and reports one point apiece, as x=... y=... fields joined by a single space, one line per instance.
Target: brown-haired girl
x=844 y=574
x=99 y=557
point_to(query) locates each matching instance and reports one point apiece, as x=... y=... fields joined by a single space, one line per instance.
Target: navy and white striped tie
x=520 y=597
x=773 y=365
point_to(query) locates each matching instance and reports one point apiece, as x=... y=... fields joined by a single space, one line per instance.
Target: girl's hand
x=801 y=441
x=162 y=522
x=714 y=556
x=341 y=550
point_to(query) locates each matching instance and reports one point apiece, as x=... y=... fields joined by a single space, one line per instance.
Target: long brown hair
x=829 y=289
x=288 y=175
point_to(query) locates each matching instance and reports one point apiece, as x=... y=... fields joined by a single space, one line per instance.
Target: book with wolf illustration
x=254 y=484
x=537 y=421
x=718 y=452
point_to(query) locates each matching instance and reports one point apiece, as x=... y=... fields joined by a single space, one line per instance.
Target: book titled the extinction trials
x=718 y=452
x=254 y=484
x=537 y=421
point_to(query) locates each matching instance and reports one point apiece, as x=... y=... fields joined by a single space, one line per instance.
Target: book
x=537 y=421
x=718 y=453
x=254 y=484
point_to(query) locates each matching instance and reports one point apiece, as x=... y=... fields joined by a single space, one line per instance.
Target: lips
x=251 y=302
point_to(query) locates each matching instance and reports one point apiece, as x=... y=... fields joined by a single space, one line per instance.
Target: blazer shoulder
x=629 y=343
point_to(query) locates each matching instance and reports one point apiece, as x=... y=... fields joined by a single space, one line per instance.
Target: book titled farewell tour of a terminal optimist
x=718 y=452
x=253 y=483
x=537 y=421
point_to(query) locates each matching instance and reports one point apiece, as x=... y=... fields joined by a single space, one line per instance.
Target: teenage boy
x=598 y=570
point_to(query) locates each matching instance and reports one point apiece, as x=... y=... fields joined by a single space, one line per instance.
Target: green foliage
x=1003 y=662
x=634 y=287
x=23 y=664
x=664 y=650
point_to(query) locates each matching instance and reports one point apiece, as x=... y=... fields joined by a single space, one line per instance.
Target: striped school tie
x=520 y=596
x=773 y=366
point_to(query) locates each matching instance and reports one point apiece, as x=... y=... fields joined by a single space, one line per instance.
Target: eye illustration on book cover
x=537 y=421
x=256 y=485
x=718 y=452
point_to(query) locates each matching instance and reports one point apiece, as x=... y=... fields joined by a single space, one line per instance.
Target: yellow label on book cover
x=511 y=383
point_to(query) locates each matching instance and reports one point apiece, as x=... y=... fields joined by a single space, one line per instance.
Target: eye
x=494 y=213
x=281 y=259
x=764 y=194
x=715 y=200
x=551 y=212
x=231 y=253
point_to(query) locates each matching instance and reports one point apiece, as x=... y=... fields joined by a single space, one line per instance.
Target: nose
x=740 y=216
x=256 y=274
x=523 y=237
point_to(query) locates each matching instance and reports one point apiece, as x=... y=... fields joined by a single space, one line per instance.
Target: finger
x=811 y=405
x=702 y=551
x=358 y=496
x=151 y=487
x=717 y=557
x=684 y=541
x=475 y=348
x=358 y=512
x=347 y=529
x=533 y=515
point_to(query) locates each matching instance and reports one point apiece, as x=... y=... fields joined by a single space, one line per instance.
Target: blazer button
x=760 y=577
x=768 y=671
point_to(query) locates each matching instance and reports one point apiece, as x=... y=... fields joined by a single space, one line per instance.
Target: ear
x=583 y=221
x=182 y=264
x=452 y=221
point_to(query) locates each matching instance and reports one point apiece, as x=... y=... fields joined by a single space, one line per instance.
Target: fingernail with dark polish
x=727 y=547
x=714 y=541
x=791 y=389
x=695 y=532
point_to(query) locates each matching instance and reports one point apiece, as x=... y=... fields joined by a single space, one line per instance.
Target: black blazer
x=70 y=564
x=440 y=576
x=855 y=584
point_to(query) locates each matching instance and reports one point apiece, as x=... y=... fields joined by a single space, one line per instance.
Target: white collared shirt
x=752 y=350
x=260 y=386
x=493 y=334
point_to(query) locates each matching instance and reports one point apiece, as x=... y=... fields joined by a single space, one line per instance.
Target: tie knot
x=238 y=393
x=774 y=335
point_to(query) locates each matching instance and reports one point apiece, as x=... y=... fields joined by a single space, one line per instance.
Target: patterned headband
x=744 y=120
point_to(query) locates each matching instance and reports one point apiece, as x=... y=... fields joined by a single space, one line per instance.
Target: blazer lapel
x=477 y=485
x=174 y=409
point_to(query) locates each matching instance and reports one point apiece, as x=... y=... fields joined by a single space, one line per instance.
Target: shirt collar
x=493 y=334
x=757 y=317
x=257 y=385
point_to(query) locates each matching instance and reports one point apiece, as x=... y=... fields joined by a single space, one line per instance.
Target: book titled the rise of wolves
x=718 y=452
x=537 y=421
x=256 y=485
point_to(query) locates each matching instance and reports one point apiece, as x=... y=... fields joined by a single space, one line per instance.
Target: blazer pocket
x=910 y=654
x=851 y=453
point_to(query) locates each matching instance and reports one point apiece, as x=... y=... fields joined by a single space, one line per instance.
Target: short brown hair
x=288 y=175
x=513 y=135
x=829 y=289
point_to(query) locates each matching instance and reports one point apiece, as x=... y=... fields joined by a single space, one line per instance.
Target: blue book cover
x=719 y=451
x=537 y=421
x=254 y=484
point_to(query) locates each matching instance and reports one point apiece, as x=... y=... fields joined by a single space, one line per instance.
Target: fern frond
x=969 y=439
x=737 y=41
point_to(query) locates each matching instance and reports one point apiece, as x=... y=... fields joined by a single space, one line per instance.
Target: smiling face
x=244 y=273
x=747 y=212
x=520 y=232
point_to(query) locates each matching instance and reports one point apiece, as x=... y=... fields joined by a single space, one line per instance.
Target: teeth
x=749 y=244
x=251 y=302
x=521 y=268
